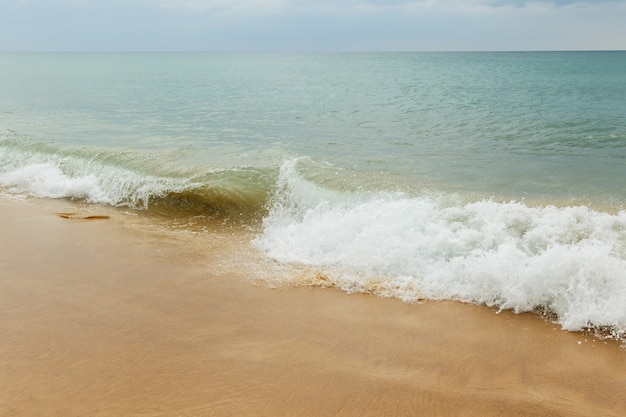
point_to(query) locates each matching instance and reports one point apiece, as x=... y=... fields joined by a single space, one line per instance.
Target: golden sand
x=115 y=318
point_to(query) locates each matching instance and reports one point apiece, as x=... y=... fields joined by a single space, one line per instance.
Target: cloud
x=311 y=24
x=524 y=3
x=215 y=6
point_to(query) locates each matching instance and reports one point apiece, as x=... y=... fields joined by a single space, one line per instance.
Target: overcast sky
x=311 y=25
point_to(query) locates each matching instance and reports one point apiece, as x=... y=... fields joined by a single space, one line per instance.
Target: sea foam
x=570 y=260
x=47 y=180
x=42 y=171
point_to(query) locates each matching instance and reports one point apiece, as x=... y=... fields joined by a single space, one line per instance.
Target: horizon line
x=251 y=51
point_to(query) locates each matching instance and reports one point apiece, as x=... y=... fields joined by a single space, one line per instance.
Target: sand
x=111 y=316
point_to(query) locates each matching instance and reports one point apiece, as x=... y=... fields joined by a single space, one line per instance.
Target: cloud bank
x=312 y=24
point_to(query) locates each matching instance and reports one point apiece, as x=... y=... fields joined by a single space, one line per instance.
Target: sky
x=311 y=25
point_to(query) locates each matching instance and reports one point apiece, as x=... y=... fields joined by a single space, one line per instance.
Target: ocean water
x=494 y=178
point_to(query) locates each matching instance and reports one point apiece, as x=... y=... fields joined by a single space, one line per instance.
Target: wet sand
x=107 y=316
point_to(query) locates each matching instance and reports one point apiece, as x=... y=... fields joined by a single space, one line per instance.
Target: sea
x=496 y=178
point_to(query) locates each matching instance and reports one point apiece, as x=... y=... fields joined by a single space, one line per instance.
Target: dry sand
x=110 y=317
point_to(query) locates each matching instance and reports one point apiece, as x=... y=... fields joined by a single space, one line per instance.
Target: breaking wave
x=131 y=179
x=570 y=261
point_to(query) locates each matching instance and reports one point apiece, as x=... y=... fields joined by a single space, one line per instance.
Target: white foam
x=47 y=180
x=52 y=175
x=571 y=260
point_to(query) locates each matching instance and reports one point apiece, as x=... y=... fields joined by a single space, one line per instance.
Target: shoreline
x=110 y=317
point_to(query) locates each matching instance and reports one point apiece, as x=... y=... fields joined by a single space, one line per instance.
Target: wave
x=411 y=244
x=569 y=261
x=127 y=178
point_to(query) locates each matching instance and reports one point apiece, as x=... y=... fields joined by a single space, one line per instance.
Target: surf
x=151 y=183
x=569 y=262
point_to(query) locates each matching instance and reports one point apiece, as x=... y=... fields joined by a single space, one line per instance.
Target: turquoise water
x=547 y=125
x=486 y=177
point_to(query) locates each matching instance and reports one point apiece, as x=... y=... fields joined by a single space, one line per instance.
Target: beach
x=105 y=314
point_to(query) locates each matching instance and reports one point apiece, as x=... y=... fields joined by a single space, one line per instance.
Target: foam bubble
x=569 y=260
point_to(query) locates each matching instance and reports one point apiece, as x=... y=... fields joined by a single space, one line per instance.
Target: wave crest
x=127 y=179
